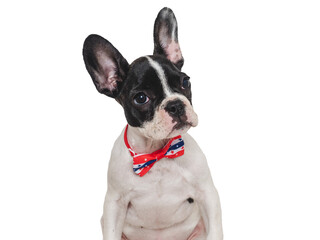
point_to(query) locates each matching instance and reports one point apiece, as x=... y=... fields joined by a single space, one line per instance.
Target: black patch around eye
x=142 y=80
x=186 y=82
x=141 y=98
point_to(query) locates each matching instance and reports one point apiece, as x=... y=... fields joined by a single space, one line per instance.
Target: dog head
x=153 y=91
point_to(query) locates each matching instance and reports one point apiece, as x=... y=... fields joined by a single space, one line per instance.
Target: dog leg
x=114 y=213
x=123 y=237
x=199 y=232
x=211 y=211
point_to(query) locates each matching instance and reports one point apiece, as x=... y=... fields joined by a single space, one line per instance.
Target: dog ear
x=165 y=36
x=105 y=64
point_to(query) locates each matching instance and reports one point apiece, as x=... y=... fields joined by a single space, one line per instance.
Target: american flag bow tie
x=142 y=163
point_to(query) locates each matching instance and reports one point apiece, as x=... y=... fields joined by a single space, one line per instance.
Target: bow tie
x=142 y=163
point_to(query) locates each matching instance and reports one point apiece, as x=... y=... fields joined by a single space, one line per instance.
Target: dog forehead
x=153 y=71
x=142 y=76
x=155 y=62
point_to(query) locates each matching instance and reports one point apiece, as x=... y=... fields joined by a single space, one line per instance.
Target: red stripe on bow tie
x=142 y=163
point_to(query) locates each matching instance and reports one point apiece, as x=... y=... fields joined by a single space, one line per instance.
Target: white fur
x=154 y=207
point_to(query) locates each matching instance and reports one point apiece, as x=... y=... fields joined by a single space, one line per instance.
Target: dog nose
x=175 y=108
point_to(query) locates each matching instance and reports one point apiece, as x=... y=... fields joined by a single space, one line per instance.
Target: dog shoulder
x=195 y=159
x=120 y=165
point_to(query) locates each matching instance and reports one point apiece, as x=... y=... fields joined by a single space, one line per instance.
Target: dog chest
x=162 y=197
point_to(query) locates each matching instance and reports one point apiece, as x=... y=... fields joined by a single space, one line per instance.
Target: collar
x=142 y=163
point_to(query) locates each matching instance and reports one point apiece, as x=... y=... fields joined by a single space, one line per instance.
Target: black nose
x=175 y=108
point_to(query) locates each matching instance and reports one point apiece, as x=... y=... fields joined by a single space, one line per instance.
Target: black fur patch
x=142 y=77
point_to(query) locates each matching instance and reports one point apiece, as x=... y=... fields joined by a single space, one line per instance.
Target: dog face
x=154 y=93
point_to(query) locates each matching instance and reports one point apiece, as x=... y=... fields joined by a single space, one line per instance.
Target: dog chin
x=158 y=132
x=179 y=129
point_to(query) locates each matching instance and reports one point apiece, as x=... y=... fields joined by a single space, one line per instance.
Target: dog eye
x=185 y=82
x=140 y=98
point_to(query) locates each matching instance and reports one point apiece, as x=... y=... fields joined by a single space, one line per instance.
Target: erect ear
x=165 y=36
x=105 y=64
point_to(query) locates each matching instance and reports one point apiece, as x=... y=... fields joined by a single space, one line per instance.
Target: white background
x=254 y=67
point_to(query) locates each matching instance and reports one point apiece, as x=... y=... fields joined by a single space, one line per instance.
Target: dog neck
x=141 y=144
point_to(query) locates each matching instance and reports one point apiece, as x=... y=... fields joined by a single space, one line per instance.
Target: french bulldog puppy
x=159 y=183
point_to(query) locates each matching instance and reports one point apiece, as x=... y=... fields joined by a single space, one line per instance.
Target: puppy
x=159 y=183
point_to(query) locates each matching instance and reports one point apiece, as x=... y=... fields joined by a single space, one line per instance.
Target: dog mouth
x=181 y=125
x=179 y=128
x=181 y=122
